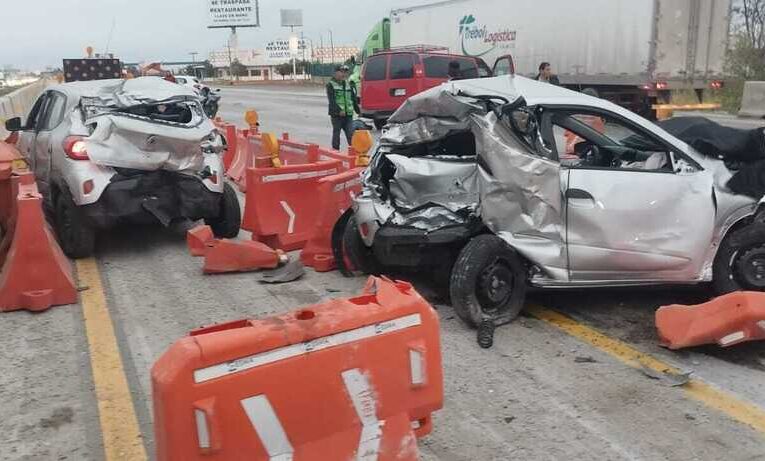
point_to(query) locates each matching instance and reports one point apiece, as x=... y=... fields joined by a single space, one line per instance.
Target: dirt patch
x=58 y=418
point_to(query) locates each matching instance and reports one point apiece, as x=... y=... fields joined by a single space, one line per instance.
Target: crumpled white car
x=113 y=152
x=497 y=184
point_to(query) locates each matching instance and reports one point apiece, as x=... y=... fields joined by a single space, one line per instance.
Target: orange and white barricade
x=353 y=378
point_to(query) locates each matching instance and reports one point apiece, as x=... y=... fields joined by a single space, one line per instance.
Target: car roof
x=157 y=87
x=425 y=53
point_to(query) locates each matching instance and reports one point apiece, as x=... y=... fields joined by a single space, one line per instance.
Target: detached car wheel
x=740 y=261
x=229 y=220
x=76 y=236
x=488 y=282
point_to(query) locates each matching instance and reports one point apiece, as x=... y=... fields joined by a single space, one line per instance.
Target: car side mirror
x=13 y=124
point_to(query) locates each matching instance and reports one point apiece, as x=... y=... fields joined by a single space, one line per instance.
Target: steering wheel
x=589 y=153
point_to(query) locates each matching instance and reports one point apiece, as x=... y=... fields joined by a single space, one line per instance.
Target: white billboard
x=280 y=51
x=292 y=18
x=233 y=13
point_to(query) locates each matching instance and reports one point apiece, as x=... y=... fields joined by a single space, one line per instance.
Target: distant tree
x=745 y=59
x=238 y=69
x=284 y=69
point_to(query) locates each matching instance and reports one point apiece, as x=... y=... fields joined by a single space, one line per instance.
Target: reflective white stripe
x=737 y=336
x=294 y=350
x=294 y=176
x=363 y=398
x=269 y=428
x=346 y=184
x=291 y=214
x=415 y=366
x=203 y=433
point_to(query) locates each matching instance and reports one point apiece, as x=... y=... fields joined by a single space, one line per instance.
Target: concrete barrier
x=753 y=100
x=19 y=102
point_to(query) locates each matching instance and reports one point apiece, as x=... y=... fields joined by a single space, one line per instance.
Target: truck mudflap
x=146 y=197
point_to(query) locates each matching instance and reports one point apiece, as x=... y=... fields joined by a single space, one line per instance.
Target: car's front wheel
x=229 y=219
x=740 y=261
x=75 y=234
x=488 y=282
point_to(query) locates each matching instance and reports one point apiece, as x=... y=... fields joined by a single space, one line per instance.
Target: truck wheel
x=488 y=282
x=379 y=123
x=740 y=261
x=76 y=236
x=228 y=222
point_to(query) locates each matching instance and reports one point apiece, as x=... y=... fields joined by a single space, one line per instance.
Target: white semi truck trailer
x=633 y=52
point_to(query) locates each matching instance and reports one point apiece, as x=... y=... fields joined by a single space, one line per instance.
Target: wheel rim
x=750 y=268
x=495 y=286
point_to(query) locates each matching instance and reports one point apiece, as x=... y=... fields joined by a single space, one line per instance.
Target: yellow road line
x=735 y=408
x=119 y=424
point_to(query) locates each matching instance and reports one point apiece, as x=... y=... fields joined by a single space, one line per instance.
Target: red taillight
x=662 y=85
x=214 y=178
x=87 y=187
x=716 y=84
x=74 y=148
x=364 y=228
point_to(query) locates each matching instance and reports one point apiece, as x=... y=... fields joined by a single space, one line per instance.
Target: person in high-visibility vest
x=343 y=103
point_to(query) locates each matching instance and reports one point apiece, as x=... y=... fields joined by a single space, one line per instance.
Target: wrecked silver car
x=498 y=184
x=109 y=152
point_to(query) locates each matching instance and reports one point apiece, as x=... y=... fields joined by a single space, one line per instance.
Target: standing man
x=545 y=74
x=341 y=95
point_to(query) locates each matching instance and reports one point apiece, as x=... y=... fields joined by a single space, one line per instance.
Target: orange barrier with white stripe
x=335 y=195
x=353 y=378
x=280 y=206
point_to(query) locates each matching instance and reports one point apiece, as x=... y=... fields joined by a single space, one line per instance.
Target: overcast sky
x=39 y=33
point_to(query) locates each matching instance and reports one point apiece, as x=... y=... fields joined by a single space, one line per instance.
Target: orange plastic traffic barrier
x=280 y=206
x=198 y=238
x=232 y=139
x=335 y=195
x=35 y=273
x=242 y=157
x=353 y=378
x=238 y=256
x=730 y=319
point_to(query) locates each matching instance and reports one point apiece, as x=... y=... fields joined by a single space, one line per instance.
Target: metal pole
x=332 y=45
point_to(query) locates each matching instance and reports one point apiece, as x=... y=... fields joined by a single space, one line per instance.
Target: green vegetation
x=746 y=55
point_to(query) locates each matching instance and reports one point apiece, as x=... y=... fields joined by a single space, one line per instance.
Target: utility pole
x=332 y=45
x=194 y=62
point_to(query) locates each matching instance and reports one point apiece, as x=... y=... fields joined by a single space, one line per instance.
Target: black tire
x=740 y=261
x=227 y=223
x=361 y=258
x=379 y=123
x=488 y=282
x=75 y=234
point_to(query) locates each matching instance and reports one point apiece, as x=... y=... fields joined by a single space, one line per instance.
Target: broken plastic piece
x=197 y=239
x=668 y=377
x=239 y=256
x=731 y=319
x=289 y=272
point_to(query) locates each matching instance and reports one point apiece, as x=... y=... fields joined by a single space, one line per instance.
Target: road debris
x=667 y=377
x=289 y=272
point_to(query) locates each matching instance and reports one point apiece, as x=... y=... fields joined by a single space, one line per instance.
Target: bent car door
x=632 y=212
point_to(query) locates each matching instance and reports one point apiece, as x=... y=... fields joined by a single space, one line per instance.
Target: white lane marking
x=269 y=428
x=294 y=350
x=363 y=398
x=737 y=336
x=203 y=433
x=415 y=366
x=291 y=214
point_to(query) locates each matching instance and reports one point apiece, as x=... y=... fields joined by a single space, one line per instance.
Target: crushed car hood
x=147 y=123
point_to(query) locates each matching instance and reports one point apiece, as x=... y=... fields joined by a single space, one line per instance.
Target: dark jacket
x=553 y=79
x=334 y=108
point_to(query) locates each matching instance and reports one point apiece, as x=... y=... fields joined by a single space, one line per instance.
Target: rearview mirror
x=13 y=124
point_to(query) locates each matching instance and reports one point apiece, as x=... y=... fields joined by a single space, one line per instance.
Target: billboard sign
x=292 y=18
x=233 y=13
x=280 y=50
